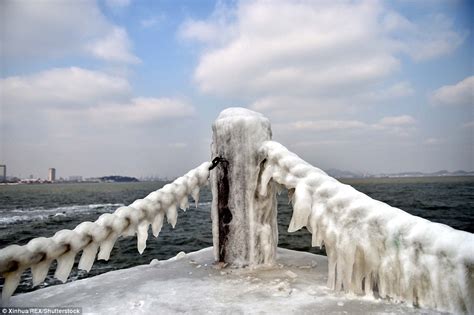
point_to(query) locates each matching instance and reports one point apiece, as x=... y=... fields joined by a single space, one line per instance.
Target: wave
x=14 y=216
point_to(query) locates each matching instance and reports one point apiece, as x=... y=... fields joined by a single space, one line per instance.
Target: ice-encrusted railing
x=100 y=236
x=371 y=246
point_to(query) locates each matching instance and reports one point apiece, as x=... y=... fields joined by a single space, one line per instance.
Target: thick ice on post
x=371 y=245
x=245 y=231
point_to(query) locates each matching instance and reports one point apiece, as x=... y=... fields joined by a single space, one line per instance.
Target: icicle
x=358 y=271
x=331 y=272
x=195 y=195
x=184 y=203
x=346 y=263
x=332 y=259
x=40 y=271
x=291 y=192
x=12 y=279
x=301 y=208
x=265 y=179
x=279 y=188
x=106 y=246
x=172 y=215
x=313 y=228
x=88 y=256
x=65 y=263
x=157 y=223
x=368 y=285
x=142 y=235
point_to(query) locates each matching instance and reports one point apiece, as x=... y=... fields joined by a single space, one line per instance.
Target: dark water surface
x=28 y=211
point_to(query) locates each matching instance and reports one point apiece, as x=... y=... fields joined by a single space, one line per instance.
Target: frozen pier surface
x=190 y=283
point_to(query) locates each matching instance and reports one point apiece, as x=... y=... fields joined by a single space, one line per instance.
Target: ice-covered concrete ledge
x=191 y=283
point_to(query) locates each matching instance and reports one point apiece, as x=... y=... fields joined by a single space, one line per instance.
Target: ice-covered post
x=244 y=224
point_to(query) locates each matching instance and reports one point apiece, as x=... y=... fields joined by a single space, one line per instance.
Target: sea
x=29 y=211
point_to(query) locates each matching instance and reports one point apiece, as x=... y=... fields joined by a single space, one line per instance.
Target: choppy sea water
x=28 y=211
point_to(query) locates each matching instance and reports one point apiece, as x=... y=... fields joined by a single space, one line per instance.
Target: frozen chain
x=370 y=245
x=100 y=236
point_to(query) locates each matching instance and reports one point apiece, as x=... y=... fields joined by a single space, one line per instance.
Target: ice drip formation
x=373 y=249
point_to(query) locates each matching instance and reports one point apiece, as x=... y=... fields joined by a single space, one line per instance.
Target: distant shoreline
x=347 y=180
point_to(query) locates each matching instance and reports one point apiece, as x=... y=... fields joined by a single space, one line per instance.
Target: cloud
x=139 y=111
x=114 y=47
x=118 y=3
x=395 y=91
x=199 y=30
x=152 y=21
x=85 y=95
x=430 y=37
x=403 y=120
x=389 y=123
x=217 y=29
x=327 y=125
x=56 y=29
x=459 y=94
x=434 y=141
x=63 y=87
x=310 y=48
x=52 y=117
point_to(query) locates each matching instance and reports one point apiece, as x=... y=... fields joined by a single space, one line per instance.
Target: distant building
x=52 y=174
x=3 y=173
x=75 y=178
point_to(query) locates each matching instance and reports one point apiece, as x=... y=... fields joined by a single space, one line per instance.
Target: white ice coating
x=371 y=246
x=252 y=233
x=100 y=236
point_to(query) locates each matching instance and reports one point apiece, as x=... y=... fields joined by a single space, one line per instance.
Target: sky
x=132 y=87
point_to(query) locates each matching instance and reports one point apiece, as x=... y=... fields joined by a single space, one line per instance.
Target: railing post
x=244 y=224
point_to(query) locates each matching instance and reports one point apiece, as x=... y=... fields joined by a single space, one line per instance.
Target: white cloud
x=305 y=50
x=118 y=3
x=76 y=94
x=389 y=123
x=216 y=30
x=309 y=48
x=63 y=87
x=151 y=21
x=199 y=30
x=395 y=91
x=459 y=94
x=52 y=29
x=434 y=141
x=139 y=110
x=328 y=125
x=428 y=38
x=114 y=47
x=403 y=120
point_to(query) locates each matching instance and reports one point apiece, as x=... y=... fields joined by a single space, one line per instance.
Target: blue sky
x=132 y=87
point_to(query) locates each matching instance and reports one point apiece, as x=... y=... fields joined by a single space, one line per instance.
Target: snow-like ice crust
x=238 y=133
x=371 y=246
x=100 y=236
x=191 y=284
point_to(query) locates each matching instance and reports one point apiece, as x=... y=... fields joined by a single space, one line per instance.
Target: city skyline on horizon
x=156 y=176
x=363 y=86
